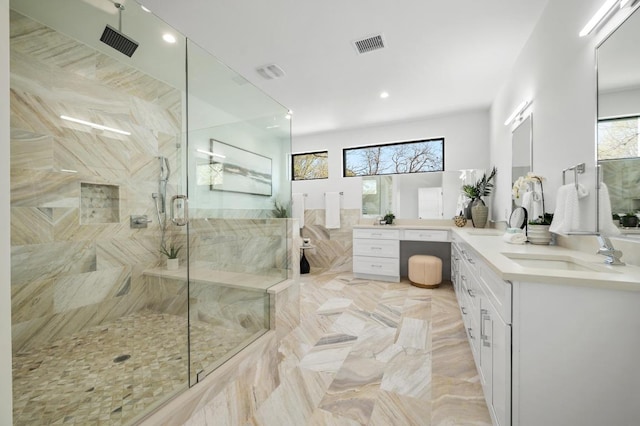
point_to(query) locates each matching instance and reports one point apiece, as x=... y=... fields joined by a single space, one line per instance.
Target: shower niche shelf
x=99 y=203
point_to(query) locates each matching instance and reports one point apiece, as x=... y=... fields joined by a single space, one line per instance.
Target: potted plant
x=481 y=188
x=629 y=220
x=538 y=229
x=388 y=218
x=279 y=210
x=172 y=256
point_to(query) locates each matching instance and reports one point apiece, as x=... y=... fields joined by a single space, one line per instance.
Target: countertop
x=490 y=246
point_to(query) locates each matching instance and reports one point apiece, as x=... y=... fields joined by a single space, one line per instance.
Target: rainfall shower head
x=116 y=39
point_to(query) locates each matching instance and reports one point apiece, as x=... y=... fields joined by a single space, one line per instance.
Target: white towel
x=514 y=238
x=567 y=216
x=297 y=208
x=332 y=210
x=527 y=204
x=605 y=221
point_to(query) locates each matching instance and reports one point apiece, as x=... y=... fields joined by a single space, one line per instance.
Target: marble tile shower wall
x=334 y=247
x=67 y=275
x=255 y=246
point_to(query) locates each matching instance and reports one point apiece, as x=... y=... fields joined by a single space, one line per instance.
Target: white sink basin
x=555 y=262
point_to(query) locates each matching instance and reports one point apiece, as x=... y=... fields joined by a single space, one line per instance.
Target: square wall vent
x=369 y=44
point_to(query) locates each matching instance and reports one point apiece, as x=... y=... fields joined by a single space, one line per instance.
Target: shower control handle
x=183 y=203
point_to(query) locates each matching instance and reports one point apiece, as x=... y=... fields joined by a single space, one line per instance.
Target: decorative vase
x=479 y=215
x=304 y=264
x=538 y=234
x=173 y=264
x=460 y=220
x=472 y=202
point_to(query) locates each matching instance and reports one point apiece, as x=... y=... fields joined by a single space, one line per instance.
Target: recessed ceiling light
x=384 y=95
x=169 y=38
x=145 y=9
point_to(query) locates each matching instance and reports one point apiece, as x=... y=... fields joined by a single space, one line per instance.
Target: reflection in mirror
x=521 y=146
x=618 y=144
x=432 y=195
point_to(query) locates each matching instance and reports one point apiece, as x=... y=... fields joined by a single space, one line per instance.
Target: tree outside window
x=312 y=165
x=397 y=158
x=618 y=138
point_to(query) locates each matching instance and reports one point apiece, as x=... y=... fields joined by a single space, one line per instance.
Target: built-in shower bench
x=240 y=280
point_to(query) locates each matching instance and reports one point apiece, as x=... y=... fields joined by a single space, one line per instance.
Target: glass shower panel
x=238 y=167
x=99 y=325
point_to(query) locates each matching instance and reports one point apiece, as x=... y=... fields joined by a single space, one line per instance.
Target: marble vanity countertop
x=403 y=226
x=492 y=248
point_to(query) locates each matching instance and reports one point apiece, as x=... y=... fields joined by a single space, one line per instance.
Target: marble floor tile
x=393 y=355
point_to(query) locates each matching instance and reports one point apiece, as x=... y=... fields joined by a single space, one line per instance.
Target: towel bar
x=577 y=169
x=341 y=193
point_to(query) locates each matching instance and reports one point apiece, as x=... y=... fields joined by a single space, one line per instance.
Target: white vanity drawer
x=380 y=248
x=426 y=235
x=381 y=234
x=376 y=266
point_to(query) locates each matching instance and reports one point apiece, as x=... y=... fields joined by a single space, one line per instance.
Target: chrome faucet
x=606 y=249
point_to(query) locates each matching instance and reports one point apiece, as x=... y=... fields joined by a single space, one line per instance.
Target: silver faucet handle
x=606 y=249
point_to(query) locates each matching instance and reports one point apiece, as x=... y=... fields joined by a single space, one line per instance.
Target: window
x=311 y=165
x=425 y=155
x=618 y=138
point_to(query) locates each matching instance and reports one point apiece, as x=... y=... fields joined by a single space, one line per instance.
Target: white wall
x=556 y=69
x=5 y=247
x=620 y=103
x=466 y=146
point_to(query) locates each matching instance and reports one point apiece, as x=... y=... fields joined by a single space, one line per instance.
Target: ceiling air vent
x=368 y=44
x=270 y=71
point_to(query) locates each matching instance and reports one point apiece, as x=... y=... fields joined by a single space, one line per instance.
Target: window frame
x=293 y=159
x=389 y=144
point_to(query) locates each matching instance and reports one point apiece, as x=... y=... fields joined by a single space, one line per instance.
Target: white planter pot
x=173 y=264
x=538 y=234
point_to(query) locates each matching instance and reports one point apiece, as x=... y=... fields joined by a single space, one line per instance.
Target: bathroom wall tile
x=74 y=291
x=31 y=300
x=43 y=261
x=30 y=225
x=31 y=151
x=44 y=189
x=118 y=252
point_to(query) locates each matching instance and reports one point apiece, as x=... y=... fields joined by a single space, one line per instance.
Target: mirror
x=518 y=218
x=521 y=147
x=618 y=148
x=432 y=195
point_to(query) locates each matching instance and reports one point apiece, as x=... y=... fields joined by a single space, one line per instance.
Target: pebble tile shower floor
x=87 y=378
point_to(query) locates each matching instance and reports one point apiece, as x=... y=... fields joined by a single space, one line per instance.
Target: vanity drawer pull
x=470 y=333
x=464 y=310
x=471 y=292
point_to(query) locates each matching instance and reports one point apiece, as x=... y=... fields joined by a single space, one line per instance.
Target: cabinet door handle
x=470 y=292
x=484 y=316
x=470 y=334
x=464 y=310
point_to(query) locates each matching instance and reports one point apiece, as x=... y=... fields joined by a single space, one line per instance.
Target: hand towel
x=527 y=204
x=515 y=238
x=566 y=217
x=605 y=221
x=536 y=205
x=332 y=210
x=297 y=208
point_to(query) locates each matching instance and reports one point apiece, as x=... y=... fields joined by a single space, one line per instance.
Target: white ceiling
x=441 y=56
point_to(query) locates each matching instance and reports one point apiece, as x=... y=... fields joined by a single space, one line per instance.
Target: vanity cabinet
x=376 y=254
x=485 y=305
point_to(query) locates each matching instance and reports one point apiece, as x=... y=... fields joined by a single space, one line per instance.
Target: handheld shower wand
x=165 y=173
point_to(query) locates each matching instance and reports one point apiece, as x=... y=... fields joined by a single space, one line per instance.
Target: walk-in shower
x=102 y=331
